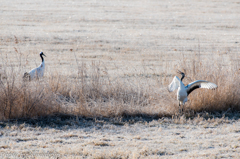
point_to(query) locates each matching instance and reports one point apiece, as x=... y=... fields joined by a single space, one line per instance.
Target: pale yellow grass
x=108 y=65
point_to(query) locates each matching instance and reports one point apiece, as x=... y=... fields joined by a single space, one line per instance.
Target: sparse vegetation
x=104 y=92
x=92 y=93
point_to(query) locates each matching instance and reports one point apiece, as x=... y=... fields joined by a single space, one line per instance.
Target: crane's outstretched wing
x=174 y=84
x=200 y=84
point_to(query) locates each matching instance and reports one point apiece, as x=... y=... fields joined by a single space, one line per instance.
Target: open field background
x=108 y=65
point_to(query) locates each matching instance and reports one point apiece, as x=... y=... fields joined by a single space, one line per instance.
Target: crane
x=183 y=91
x=37 y=72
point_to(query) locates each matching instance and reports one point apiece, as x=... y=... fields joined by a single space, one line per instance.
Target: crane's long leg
x=179 y=108
x=182 y=107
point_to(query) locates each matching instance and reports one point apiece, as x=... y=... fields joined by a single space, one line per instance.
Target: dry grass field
x=108 y=65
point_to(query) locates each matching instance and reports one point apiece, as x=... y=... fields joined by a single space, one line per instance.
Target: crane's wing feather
x=200 y=84
x=174 y=84
x=32 y=72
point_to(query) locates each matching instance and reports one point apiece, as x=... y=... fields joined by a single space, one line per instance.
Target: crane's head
x=183 y=74
x=41 y=54
x=180 y=72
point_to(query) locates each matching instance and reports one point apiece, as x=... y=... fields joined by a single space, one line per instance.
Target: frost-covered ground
x=128 y=37
x=72 y=137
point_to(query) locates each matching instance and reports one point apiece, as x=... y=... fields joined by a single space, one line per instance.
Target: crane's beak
x=179 y=72
x=44 y=55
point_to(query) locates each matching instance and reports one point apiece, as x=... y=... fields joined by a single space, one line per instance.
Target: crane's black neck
x=183 y=75
x=42 y=57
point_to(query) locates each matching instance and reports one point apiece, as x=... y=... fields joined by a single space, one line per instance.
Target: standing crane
x=37 y=72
